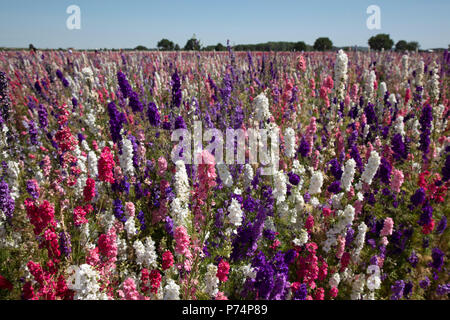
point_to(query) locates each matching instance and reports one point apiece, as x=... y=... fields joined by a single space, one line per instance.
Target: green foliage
x=165 y=45
x=381 y=41
x=402 y=45
x=192 y=44
x=323 y=44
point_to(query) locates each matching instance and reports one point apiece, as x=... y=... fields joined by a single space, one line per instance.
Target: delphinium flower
x=418 y=197
x=124 y=85
x=235 y=213
x=261 y=107
x=442 y=225
x=446 y=169
x=135 y=104
x=359 y=241
x=89 y=190
x=116 y=121
x=413 y=259
x=126 y=158
x=171 y=290
x=280 y=189
x=4 y=98
x=118 y=210
x=443 y=289
x=425 y=126
x=289 y=141
x=346 y=218
x=7 y=204
x=304 y=147
x=42 y=116
x=315 y=183
x=153 y=114
x=397 y=180
x=387 y=227
x=348 y=174
x=358 y=287
x=145 y=252
x=399 y=148
x=176 y=90
x=397 y=290
x=167 y=260
x=438 y=259
x=371 y=168
x=79 y=216
x=223 y=270
x=182 y=247
x=87 y=287
x=141 y=217
x=64 y=243
x=340 y=74
x=105 y=166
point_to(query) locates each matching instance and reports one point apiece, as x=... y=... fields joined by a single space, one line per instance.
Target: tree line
x=378 y=42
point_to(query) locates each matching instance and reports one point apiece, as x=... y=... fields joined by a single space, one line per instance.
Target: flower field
x=94 y=206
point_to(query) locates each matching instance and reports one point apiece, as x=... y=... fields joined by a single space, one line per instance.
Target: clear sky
x=126 y=24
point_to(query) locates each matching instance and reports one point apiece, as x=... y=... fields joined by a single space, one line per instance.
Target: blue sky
x=126 y=24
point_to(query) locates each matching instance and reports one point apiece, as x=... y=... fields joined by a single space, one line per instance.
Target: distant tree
x=300 y=46
x=165 y=45
x=401 y=45
x=177 y=47
x=219 y=47
x=192 y=44
x=381 y=41
x=413 y=46
x=323 y=44
x=140 y=48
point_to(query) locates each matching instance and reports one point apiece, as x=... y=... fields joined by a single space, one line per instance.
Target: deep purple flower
x=418 y=197
x=446 y=169
x=398 y=147
x=32 y=131
x=424 y=283
x=124 y=86
x=335 y=169
x=354 y=153
x=441 y=225
x=7 y=204
x=153 y=114
x=397 y=290
x=176 y=90
x=140 y=216
x=118 y=210
x=335 y=187
x=169 y=225
x=32 y=189
x=370 y=114
x=438 y=259
x=426 y=215
x=116 y=121
x=179 y=123
x=293 y=178
x=135 y=104
x=425 y=126
x=64 y=244
x=413 y=259
x=301 y=293
x=443 y=289
x=42 y=115
x=304 y=147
